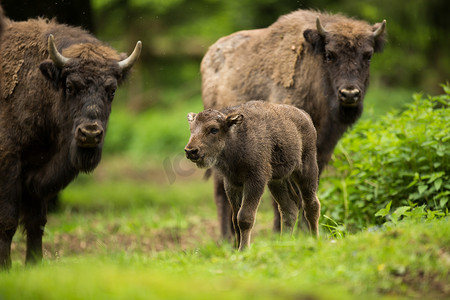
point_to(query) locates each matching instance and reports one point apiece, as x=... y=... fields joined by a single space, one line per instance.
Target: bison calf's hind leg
x=288 y=207
x=311 y=204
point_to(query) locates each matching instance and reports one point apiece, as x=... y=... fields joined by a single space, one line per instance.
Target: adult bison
x=315 y=61
x=58 y=83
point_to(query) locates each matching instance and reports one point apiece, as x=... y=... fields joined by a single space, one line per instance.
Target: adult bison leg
x=34 y=220
x=42 y=184
x=223 y=208
x=10 y=193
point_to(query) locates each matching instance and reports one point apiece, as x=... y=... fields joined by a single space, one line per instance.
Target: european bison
x=257 y=144
x=58 y=84
x=315 y=61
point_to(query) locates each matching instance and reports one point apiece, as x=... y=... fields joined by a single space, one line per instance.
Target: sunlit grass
x=408 y=261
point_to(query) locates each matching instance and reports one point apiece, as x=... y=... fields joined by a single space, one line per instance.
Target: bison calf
x=257 y=144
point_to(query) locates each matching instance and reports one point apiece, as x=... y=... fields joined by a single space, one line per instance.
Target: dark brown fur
x=52 y=121
x=257 y=144
x=290 y=62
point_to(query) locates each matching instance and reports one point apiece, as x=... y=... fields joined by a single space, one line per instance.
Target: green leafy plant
x=402 y=158
x=408 y=213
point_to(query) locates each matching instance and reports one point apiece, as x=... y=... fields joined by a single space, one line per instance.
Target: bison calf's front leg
x=247 y=213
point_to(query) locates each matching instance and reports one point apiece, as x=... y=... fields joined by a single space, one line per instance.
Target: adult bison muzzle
x=315 y=61
x=58 y=84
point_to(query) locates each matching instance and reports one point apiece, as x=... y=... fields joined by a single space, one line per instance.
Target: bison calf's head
x=346 y=49
x=86 y=77
x=209 y=130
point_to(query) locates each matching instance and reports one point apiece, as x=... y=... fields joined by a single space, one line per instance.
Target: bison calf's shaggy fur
x=254 y=145
x=58 y=84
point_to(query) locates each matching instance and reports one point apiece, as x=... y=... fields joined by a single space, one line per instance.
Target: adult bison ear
x=51 y=72
x=234 y=119
x=316 y=37
x=379 y=35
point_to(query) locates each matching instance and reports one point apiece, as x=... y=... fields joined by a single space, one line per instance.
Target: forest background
x=144 y=222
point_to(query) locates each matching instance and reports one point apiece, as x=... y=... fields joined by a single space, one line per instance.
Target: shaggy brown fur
x=292 y=62
x=53 y=120
x=254 y=145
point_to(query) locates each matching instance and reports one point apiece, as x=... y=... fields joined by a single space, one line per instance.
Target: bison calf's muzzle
x=89 y=135
x=192 y=154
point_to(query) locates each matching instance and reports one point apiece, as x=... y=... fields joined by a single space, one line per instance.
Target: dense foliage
x=177 y=33
x=403 y=158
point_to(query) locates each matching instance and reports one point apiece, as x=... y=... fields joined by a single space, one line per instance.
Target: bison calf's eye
x=214 y=130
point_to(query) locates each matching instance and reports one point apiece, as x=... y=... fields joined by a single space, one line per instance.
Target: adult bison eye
x=214 y=130
x=367 y=56
x=111 y=94
x=330 y=56
x=69 y=88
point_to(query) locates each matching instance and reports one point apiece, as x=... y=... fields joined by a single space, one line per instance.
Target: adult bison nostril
x=89 y=135
x=349 y=96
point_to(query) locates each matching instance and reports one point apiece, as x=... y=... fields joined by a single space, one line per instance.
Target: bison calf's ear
x=234 y=119
x=51 y=72
x=191 y=117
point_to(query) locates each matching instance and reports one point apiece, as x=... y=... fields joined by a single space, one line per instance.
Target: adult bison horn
x=128 y=62
x=320 y=29
x=380 y=29
x=57 y=57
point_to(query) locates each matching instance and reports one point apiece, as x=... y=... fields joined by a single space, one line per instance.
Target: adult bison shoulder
x=315 y=61
x=57 y=86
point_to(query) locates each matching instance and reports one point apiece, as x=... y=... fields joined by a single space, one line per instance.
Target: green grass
x=151 y=238
x=411 y=260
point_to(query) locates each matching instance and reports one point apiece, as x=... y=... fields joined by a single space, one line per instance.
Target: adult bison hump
x=315 y=61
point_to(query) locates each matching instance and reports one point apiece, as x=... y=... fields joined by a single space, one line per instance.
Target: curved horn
x=380 y=29
x=320 y=29
x=128 y=62
x=57 y=57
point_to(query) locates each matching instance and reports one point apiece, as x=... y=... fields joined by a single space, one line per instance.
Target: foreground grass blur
x=411 y=260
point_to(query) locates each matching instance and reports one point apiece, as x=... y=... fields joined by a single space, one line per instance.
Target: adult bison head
x=85 y=78
x=346 y=49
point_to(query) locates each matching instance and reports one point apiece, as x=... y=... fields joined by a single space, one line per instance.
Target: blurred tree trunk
x=72 y=12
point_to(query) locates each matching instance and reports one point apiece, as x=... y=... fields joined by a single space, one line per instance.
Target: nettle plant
x=399 y=162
